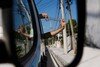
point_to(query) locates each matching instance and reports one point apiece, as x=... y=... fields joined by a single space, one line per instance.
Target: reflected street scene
x=63 y=45
x=23 y=29
x=58 y=25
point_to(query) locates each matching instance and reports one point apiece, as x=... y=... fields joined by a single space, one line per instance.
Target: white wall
x=1 y=30
x=93 y=21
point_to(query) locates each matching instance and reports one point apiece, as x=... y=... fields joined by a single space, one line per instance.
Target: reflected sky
x=20 y=18
x=52 y=8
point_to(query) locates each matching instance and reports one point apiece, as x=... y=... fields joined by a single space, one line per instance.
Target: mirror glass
x=23 y=29
x=63 y=45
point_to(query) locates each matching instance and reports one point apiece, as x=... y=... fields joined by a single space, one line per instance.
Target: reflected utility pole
x=71 y=25
x=64 y=31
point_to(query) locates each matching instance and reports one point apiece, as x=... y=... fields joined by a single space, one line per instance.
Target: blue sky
x=48 y=6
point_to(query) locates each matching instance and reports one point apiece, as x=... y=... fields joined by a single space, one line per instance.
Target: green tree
x=75 y=26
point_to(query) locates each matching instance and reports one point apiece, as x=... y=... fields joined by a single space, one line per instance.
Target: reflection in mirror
x=22 y=27
x=62 y=46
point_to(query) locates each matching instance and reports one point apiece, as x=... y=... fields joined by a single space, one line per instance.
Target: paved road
x=91 y=58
